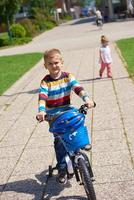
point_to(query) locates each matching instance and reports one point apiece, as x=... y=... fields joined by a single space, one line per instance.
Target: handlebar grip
x=94 y=104
x=37 y=118
x=46 y=118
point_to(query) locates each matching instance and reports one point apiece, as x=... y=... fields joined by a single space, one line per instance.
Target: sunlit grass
x=126 y=47
x=13 y=67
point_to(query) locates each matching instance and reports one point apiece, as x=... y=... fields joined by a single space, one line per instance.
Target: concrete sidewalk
x=26 y=147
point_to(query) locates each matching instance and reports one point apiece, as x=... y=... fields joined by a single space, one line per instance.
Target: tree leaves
x=8 y=8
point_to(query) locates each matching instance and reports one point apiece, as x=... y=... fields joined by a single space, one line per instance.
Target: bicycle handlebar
x=83 y=109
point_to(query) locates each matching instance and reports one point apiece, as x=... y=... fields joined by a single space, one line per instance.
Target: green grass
x=126 y=47
x=13 y=67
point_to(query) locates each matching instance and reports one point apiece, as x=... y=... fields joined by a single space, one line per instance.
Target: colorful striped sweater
x=54 y=94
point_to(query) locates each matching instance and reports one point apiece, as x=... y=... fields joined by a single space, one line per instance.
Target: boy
x=54 y=98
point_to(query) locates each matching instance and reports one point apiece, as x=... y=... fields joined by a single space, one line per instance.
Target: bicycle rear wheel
x=86 y=179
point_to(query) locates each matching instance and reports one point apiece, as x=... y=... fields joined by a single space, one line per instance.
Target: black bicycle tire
x=86 y=180
x=88 y=164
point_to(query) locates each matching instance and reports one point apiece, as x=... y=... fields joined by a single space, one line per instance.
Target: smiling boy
x=54 y=98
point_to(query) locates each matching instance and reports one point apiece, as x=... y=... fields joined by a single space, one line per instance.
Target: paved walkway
x=26 y=147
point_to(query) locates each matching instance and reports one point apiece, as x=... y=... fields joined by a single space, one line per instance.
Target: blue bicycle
x=70 y=129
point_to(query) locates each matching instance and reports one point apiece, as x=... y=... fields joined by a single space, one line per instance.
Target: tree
x=7 y=9
x=80 y=3
x=98 y=3
x=44 y=7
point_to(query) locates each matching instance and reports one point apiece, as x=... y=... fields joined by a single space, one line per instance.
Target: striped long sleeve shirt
x=54 y=94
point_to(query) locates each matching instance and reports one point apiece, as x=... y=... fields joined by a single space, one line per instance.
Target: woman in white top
x=98 y=18
x=105 y=57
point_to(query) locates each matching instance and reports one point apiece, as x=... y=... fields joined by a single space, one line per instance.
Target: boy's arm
x=85 y=97
x=43 y=95
x=79 y=90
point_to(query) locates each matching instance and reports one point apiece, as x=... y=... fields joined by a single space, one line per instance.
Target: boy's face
x=54 y=65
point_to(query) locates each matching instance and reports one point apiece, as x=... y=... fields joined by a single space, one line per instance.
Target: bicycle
x=73 y=142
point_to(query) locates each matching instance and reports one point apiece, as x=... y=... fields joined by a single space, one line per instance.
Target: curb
x=123 y=60
x=120 y=55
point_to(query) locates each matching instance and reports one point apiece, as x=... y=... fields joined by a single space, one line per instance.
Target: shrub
x=3 y=27
x=18 y=31
x=4 y=40
x=66 y=17
x=19 y=41
x=29 y=27
x=49 y=24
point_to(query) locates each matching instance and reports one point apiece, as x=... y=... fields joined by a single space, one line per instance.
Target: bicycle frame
x=74 y=157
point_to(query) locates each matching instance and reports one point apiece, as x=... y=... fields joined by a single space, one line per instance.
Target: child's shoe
x=109 y=76
x=62 y=177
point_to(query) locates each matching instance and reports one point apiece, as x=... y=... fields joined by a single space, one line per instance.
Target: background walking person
x=99 y=18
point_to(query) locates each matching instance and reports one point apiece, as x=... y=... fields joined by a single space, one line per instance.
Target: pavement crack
x=6 y=106
x=123 y=124
x=92 y=119
x=18 y=159
x=15 y=120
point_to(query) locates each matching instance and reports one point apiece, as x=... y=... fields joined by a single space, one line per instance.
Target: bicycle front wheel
x=86 y=179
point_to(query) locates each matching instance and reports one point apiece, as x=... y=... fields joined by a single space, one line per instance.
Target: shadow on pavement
x=41 y=188
x=72 y=198
x=101 y=79
x=35 y=91
x=84 y=20
x=54 y=189
x=27 y=186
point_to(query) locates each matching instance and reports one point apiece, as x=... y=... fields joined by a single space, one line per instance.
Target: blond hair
x=51 y=53
x=104 y=39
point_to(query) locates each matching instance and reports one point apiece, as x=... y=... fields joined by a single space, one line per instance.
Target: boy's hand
x=40 y=116
x=90 y=104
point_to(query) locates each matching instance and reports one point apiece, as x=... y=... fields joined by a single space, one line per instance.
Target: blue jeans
x=58 y=146
x=60 y=154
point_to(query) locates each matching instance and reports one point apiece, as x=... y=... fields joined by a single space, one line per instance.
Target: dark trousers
x=60 y=154
x=98 y=21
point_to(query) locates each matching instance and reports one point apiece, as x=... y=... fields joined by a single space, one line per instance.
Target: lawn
x=126 y=47
x=13 y=67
